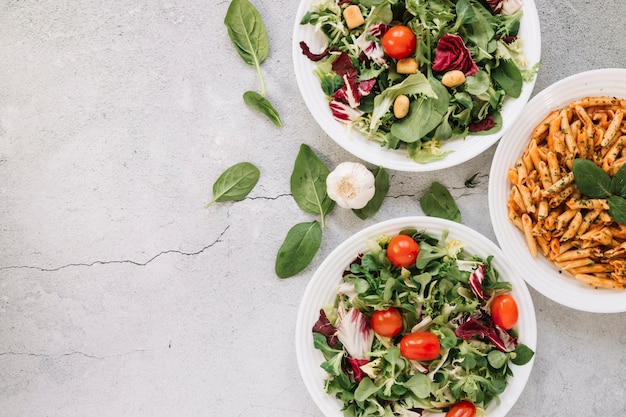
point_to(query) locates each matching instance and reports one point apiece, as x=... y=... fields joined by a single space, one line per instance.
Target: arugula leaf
x=308 y=183
x=235 y=183
x=439 y=203
x=298 y=249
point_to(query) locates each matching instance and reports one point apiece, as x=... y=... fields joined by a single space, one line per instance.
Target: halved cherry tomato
x=420 y=346
x=399 y=42
x=387 y=323
x=402 y=250
x=462 y=409
x=504 y=311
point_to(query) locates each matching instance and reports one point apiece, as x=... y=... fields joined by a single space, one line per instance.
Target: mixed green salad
x=419 y=328
x=451 y=62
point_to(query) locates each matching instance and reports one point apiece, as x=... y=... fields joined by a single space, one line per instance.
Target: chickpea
x=401 y=106
x=453 y=78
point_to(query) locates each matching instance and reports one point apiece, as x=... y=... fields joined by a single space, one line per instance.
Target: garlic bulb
x=351 y=185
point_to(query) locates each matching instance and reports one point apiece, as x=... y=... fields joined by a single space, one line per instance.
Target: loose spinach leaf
x=617 y=208
x=439 y=203
x=509 y=77
x=381 y=183
x=247 y=32
x=308 y=183
x=298 y=249
x=618 y=183
x=235 y=183
x=259 y=103
x=591 y=180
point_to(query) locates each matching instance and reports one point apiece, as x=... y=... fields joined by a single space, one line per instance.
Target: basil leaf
x=308 y=183
x=618 y=183
x=235 y=183
x=591 y=180
x=509 y=77
x=259 y=103
x=617 y=209
x=247 y=32
x=439 y=203
x=381 y=184
x=298 y=249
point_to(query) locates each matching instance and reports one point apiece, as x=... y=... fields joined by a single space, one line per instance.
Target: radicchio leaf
x=326 y=329
x=452 y=54
x=476 y=282
x=312 y=56
x=485 y=124
x=342 y=112
x=355 y=333
x=355 y=365
x=344 y=67
x=499 y=337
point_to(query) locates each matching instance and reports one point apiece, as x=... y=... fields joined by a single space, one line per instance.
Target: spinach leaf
x=259 y=103
x=422 y=119
x=509 y=77
x=617 y=208
x=298 y=249
x=235 y=183
x=247 y=32
x=308 y=183
x=591 y=180
x=412 y=85
x=381 y=184
x=523 y=355
x=439 y=203
x=618 y=183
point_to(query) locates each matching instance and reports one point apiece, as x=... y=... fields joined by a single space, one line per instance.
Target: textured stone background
x=120 y=295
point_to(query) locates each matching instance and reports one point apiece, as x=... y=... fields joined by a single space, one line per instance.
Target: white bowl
x=538 y=272
x=370 y=151
x=322 y=290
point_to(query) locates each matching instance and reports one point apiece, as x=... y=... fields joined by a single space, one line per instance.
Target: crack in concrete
x=73 y=353
x=123 y=261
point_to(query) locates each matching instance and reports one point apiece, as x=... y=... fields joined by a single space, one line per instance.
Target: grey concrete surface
x=121 y=295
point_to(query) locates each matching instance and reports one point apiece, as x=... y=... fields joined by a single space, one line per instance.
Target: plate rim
x=304 y=342
x=372 y=152
x=556 y=95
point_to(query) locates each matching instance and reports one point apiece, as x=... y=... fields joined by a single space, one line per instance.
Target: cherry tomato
x=402 y=250
x=386 y=323
x=399 y=42
x=420 y=346
x=462 y=409
x=504 y=311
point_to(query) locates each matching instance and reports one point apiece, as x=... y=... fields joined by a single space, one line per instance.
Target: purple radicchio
x=306 y=51
x=356 y=335
x=373 y=49
x=452 y=54
x=486 y=329
x=324 y=327
x=505 y=7
x=482 y=125
x=476 y=282
x=347 y=98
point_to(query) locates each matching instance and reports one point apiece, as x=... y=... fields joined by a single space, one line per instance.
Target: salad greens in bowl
x=416 y=85
x=416 y=316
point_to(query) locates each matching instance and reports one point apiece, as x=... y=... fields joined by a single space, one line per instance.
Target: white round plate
x=370 y=151
x=322 y=290
x=538 y=272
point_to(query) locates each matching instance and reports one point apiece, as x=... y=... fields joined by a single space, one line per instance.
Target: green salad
x=413 y=74
x=419 y=328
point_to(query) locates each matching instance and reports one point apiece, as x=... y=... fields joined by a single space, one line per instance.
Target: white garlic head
x=351 y=185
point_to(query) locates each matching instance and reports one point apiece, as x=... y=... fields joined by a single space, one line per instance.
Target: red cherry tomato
x=386 y=323
x=462 y=409
x=420 y=346
x=399 y=42
x=504 y=311
x=402 y=250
